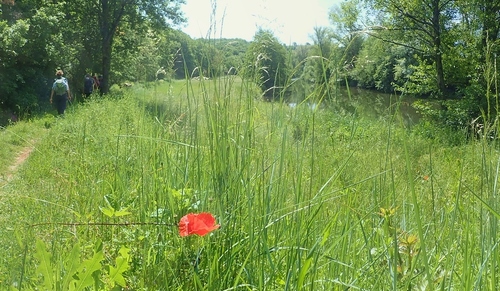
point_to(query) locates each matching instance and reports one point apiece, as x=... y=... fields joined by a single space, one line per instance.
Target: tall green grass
x=307 y=199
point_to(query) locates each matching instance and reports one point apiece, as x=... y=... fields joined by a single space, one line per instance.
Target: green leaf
x=116 y=274
x=122 y=212
x=85 y=271
x=108 y=211
x=44 y=266
x=306 y=266
x=111 y=212
x=72 y=263
x=303 y=272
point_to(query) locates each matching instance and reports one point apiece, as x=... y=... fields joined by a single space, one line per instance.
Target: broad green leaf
x=122 y=212
x=111 y=212
x=124 y=252
x=122 y=266
x=306 y=266
x=108 y=211
x=72 y=263
x=85 y=271
x=44 y=266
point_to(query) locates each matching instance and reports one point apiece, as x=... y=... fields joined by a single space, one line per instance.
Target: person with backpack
x=60 y=92
x=88 y=86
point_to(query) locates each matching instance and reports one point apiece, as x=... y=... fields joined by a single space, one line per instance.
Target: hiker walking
x=88 y=86
x=60 y=92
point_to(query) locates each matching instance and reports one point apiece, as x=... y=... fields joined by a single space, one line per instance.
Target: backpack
x=88 y=85
x=60 y=87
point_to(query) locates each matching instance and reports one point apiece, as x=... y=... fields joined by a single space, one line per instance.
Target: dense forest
x=440 y=50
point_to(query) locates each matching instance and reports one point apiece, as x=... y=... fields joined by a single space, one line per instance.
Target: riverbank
x=359 y=203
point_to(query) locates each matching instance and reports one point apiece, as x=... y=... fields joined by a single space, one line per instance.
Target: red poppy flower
x=199 y=224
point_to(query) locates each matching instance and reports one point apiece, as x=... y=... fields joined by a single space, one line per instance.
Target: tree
x=319 y=63
x=420 y=25
x=383 y=66
x=111 y=13
x=183 y=58
x=38 y=36
x=233 y=54
x=299 y=55
x=137 y=56
x=489 y=15
x=345 y=21
x=266 y=61
x=30 y=45
x=347 y=33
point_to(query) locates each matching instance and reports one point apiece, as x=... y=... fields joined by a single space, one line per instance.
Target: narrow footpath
x=21 y=157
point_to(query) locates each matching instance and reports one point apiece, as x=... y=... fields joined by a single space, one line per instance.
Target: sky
x=291 y=21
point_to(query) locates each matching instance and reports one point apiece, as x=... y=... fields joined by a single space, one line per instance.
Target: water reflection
x=370 y=104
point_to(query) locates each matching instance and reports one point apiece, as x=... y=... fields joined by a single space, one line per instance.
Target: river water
x=372 y=104
x=375 y=104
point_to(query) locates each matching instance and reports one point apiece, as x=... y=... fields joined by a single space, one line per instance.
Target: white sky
x=290 y=20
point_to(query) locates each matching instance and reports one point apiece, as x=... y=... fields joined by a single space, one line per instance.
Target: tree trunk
x=106 y=65
x=440 y=82
x=109 y=19
x=438 y=56
x=106 y=42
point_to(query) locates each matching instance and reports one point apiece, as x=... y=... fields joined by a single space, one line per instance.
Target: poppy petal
x=200 y=224
x=184 y=226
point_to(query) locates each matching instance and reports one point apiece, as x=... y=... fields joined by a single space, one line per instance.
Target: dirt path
x=21 y=157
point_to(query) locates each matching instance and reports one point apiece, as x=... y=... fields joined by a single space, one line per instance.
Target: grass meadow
x=306 y=198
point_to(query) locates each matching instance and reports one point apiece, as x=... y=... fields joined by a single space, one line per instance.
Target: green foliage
x=76 y=274
x=299 y=54
x=183 y=60
x=266 y=63
x=233 y=54
x=111 y=211
x=423 y=33
x=157 y=14
x=22 y=75
x=215 y=58
x=120 y=267
x=383 y=67
x=37 y=37
x=381 y=45
x=345 y=19
x=320 y=69
x=449 y=121
x=13 y=37
x=309 y=197
x=419 y=82
x=209 y=60
x=138 y=54
x=44 y=266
